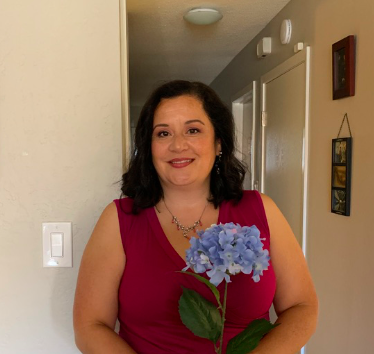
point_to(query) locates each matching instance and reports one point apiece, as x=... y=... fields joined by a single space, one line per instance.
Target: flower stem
x=223 y=319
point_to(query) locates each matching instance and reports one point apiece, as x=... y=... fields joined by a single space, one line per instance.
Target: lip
x=180 y=162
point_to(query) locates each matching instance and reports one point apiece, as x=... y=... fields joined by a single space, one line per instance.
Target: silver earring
x=218 y=162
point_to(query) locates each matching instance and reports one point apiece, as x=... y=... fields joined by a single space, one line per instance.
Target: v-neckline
x=164 y=241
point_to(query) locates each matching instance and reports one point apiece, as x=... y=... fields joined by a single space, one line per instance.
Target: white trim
x=238 y=97
x=286 y=66
x=124 y=60
x=306 y=147
x=254 y=129
x=263 y=105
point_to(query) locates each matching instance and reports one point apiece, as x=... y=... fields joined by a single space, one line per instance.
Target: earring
x=218 y=162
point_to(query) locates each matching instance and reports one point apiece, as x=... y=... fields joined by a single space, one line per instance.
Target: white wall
x=60 y=153
x=340 y=249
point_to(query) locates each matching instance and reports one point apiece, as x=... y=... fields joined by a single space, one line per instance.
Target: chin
x=180 y=181
x=184 y=182
x=189 y=182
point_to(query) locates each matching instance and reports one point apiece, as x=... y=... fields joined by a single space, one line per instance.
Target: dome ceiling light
x=202 y=16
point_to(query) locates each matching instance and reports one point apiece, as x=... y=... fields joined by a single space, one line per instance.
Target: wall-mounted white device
x=286 y=31
x=264 y=47
x=57 y=244
x=298 y=47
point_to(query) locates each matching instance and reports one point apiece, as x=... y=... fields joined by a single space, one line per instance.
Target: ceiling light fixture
x=203 y=16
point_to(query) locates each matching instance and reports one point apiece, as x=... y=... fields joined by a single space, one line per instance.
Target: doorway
x=284 y=145
x=285 y=119
x=244 y=112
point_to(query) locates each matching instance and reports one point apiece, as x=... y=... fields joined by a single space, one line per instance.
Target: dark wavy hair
x=141 y=181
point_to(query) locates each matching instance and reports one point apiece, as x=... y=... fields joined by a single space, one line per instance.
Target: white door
x=284 y=147
x=285 y=117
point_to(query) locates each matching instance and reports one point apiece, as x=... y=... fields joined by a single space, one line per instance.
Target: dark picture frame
x=341 y=176
x=343 y=68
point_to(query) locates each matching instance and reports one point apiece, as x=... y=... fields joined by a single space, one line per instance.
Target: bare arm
x=295 y=299
x=96 y=297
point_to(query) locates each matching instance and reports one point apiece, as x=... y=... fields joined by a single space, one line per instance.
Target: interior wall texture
x=60 y=155
x=339 y=248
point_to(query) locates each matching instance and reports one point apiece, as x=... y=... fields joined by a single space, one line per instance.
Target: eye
x=193 y=131
x=162 y=134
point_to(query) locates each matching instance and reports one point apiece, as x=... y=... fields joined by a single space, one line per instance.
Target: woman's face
x=183 y=143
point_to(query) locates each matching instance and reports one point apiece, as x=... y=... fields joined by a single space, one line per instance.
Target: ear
x=218 y=146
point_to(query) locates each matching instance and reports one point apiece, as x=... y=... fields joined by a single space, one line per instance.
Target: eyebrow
x=187 y=122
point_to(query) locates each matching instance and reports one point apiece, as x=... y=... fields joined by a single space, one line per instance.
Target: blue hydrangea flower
x=228 y=249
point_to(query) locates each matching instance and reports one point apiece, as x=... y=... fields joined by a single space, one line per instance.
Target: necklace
x=185 y=229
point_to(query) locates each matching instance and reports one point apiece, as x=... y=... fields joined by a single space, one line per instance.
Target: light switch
x=57 y=244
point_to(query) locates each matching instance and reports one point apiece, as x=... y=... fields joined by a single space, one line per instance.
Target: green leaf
x=199 y=315
x=208 y=284
x=248 y=340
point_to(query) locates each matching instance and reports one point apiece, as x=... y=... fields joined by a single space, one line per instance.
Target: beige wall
x=60 y=120
x=60 y=153
x=339 y=248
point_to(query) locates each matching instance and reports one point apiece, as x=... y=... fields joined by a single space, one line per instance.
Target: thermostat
x=286 y=31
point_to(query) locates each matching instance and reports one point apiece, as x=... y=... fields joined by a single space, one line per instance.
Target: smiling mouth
x=180 y=162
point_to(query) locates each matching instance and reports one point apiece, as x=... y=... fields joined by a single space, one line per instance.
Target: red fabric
x=150 y=287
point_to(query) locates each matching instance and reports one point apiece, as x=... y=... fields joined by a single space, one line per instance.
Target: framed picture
x=341 y=176
x=343 y=68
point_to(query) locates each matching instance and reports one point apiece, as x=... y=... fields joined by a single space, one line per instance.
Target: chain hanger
x=349 y=128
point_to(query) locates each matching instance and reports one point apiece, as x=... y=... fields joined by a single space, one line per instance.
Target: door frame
x=124 y=69
x=296 y=60
x=248 y=93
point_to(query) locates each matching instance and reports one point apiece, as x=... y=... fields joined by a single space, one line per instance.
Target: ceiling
x=163 y=46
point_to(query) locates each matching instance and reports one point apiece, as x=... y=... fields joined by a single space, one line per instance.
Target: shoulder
x=104 y=249
x=103 y=253
x=252 y=201
x=268 y=203
x=109 y=211
x=107 y=226
x=273 y=213
x=250 y=194
x=130 y=223
x=124 y=205
x=248 y=197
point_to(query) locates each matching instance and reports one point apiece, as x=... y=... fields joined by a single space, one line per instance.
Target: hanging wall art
x=343 y=68
x=341 y=173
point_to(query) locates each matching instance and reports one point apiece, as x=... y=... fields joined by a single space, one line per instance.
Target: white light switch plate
x=50 y=231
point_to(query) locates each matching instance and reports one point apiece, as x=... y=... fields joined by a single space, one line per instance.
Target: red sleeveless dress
x=150 y=287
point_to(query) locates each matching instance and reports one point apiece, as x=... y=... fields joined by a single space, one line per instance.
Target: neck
x=185 y=198
x=185 y=209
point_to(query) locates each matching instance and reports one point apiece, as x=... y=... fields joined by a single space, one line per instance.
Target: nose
x=178 y=143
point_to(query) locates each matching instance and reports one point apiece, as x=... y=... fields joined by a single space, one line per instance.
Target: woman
x=184 y=176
